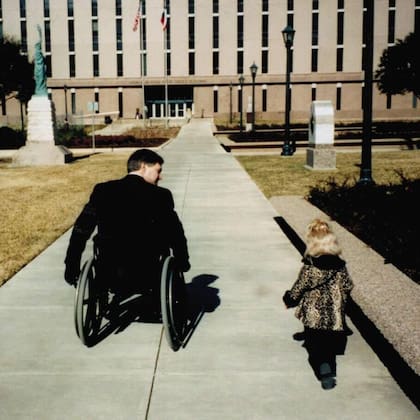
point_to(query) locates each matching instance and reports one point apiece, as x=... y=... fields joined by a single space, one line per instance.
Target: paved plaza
x=240 y=362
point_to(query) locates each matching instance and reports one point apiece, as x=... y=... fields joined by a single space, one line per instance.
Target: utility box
x=320 y=153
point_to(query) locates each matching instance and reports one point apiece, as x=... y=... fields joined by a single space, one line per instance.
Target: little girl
x=320 y=294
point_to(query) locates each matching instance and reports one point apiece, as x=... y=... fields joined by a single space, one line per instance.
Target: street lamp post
x=253 y=68
x=66 y=121
x=288 y=36
x=241 y=84
x=230 y=103
x=366 y=163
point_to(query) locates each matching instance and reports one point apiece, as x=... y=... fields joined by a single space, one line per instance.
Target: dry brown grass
x=38 y=204
x=277 y=175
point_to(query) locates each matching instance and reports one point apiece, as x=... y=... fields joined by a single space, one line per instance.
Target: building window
x=239 y=99
x=264 y=99
x=264 y=31
x=70 y=8
x=191 y=7
x=340 y=4
x=47 y=34
x=119 y=38
x=94 y=7
x=23 y=37
x=70 y=25
x=168 y=33
x=315 y=28
x=143 y=39
x=120 y=71
x=264 y=61
x=391 y=25
x=215 y=32
x=240 y=33
x=215 y=6
x=167 y=6
x=314 y=59
x=22 y=8
x=73 y=101
x=95 y=35
x=388 y=101
x=143 y=64
x=191 y=33
x=96 y=99
x=120 y=103
x=48 y=65
x=417 y=16
x=215 y=62
x=340 y=28
x=414 y=104
x=265 y=5
x=95 y=65
x=240 y=6
x=118 y=10
x=290 y=8
x=338 y=97
x=168 y=63
x=313 y=92
x=240 y=62
x=191 y=63
x=339 y=66
x=72 y=65
x=46 y=8
x=215 y=99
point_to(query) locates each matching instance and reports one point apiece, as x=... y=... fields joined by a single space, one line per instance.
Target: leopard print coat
x=320 y=293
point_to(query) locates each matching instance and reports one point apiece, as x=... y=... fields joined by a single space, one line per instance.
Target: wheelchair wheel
x=173 y=303
x=89 y=302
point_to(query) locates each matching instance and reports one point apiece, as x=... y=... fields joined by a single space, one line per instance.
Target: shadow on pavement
x=402 y=373
x=202 y=298
x=120 y=314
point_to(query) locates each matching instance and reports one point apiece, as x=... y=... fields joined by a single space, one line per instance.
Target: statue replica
x=40 y=68
x=40 y=148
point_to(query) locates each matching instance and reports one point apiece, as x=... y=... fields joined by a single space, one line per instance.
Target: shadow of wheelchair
x=202 y=299
x=122 y=312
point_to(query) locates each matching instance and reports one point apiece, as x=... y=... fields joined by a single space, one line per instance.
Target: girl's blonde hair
x=320 y=239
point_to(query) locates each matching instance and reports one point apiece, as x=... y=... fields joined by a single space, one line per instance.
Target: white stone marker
x=320 y=153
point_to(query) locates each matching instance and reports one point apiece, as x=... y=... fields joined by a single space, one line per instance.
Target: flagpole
x=142 y=62
x=165 y=62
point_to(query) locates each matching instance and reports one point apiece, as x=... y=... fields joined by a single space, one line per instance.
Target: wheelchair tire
x=88 y=304
x=173 y=304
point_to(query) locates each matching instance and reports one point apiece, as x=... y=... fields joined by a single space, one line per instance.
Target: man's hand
x=71 y=274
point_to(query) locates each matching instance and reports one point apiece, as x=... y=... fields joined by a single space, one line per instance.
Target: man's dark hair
x=149 y=157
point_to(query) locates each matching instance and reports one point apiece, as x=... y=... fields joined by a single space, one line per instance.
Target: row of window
x=264 y=99
x=191 y=34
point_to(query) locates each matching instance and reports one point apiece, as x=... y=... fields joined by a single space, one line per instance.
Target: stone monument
x=320 y=153
x=40 y=148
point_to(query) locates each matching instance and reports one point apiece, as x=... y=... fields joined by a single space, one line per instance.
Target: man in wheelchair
x=136 y=225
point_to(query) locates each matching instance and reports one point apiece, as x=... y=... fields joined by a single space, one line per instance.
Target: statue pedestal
x=40 y=148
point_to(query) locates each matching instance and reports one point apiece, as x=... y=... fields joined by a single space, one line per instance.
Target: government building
x=176 y=58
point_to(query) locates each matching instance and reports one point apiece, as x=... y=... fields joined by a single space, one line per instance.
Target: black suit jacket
x=136 y=222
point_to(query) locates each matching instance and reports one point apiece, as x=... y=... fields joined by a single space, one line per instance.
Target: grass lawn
x=40 y=203
x=277 y=175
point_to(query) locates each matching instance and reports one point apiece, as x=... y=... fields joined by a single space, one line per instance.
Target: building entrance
x=180 y=100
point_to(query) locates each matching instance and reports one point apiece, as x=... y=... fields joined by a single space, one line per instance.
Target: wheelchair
x=93 y=303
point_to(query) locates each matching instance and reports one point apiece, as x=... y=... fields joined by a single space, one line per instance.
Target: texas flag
x=137 y=18
x=164 y=20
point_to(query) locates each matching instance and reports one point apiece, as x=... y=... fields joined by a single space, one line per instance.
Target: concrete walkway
x=241 y=361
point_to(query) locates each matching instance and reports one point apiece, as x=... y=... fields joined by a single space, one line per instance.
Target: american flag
x=137 y=18
x=164 y=20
